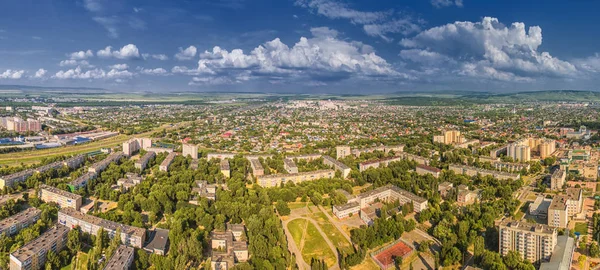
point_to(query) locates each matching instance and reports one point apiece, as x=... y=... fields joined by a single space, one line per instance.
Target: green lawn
x=581 y=228
x=315 y=247
x=297 y=205
x=336 y=237
x=296 y=228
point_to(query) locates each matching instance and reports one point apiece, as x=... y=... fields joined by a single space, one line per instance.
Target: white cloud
x=78 y=73
x=446 y=3
x=403 y=26
x=129 y=51
x=119 y=66
x=155 y=71
x=80 y=55
x=40 y=73
x=336 y=10
x=184 y=70
x=73 y=63
x=496 y=50
x=160 y=57
x=92 y=5
x=12 y=74
x=186 y=54
x=321 y=58
x=110 y=24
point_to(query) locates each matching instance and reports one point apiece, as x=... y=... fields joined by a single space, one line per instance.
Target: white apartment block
x=534 y=242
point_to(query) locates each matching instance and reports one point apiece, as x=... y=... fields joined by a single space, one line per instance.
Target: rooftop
x=119 y=258
x=107 y=224
x=43 y=242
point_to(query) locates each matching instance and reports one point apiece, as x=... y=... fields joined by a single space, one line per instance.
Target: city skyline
x=308 y=46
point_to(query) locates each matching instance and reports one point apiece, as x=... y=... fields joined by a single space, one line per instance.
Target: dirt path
x=335 y=223
x=293 y=248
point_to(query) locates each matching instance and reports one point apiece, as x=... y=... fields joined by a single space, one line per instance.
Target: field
x=581 y=228
x=310 y=242
x=332 y=232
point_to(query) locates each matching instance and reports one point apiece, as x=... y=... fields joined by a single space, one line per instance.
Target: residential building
x=15 y=223
x=81 y=181
x=540 y=206
x=557 y=212
x=100 y=166
x=131 y=236
x=210 y=156
x=466 y=196
x=190 y=150
x=143 y=161
x=562 y=256
x=130 y=180
x=342 y=151
x=510 y=166
x=164 y=166
x=257 y=168
x=158 y=242
x=337 y=165
x=275 y=180
x=558 y=179
x=473 y=171
x=534 y=242
x=19 y=125
x=519 y=152
x=61 y=197
x=121 y=259
x=444 y=188
x=133 y=145
x=225 y=169
x=424 y=169
x=290 y=166
x=449 y=137
x=12 y=179
x=384 y=162
x=33 y=254
x=206 y=190
x=418 y=159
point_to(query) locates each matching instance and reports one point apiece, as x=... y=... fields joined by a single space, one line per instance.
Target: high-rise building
x=519 y=151
x=534 y=242
x=191 y=150
x=449 y=137
x=547 y=147
x=133 y=145
x=558 y=179
x=342 y=151
x=19 y=125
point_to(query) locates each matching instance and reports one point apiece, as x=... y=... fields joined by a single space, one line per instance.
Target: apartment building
x=61 y=197
x=424 y=170
x=290 y=166
x=121 y=259
x=19 y=125
x=386 y=193
x=15 y=223
x=143 y=161
x=134 y=145
x=12 y=179
x=337 y=165
x=275 y=180
x=81 y=181
x=190 y=150
x=33 y=254
x=205 y=190
x=257 y=168
x=164 y=166
x=557 y=212
x=510 y=166
x=534 y=242
x=131 y=236
x=100 y=166
x=444 y=188
x=210 y=156
x=225 y=168
x=519 y=152
x=449 y=137
x=418 y=159
x=558 y=179
x=130 y=180
x=473 y=171
x=342 y=151
x=495 y=153
x=466 y=196
x=384 y=162
x=522 y=149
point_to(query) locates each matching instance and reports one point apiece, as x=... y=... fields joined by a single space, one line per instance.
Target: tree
x=398 y=262
x=74 y=241
x=52 y=260
x=594 y=250
x=512 y=259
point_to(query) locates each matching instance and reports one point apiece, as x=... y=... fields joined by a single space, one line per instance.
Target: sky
x=301 y=46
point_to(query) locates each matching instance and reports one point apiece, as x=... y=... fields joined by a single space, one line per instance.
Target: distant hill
x=32 y=88
x=446 y=98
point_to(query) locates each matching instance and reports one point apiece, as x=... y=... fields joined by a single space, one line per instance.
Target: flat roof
x=19 y=218
x=44 y=241
x=120 y=258
x=159 y=239
x=107 y=224
x=60 y=192
x=525 y=226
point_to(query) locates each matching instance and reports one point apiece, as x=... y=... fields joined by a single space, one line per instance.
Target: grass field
x=296 y=228
x=581 y=228
x=367 y=264
x=315 y=247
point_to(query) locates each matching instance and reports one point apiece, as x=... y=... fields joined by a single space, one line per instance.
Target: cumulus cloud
x=497 y=51
x=129 y=51
x=320 y=58
x=12 y=74
x=78 y=73
x=186 y=54
x=92 y=5
x=161 y=57
x=80 y=55
x=155 y=71
x=446 y=3
x=119 y=66
x=40 y=73
x=73 y=63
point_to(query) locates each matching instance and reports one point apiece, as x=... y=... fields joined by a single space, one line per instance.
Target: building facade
x=15 y=223
x=33 y=254
x=61 y=197
x=534 y=242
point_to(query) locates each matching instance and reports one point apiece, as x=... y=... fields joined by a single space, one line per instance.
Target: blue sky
x=307 y=46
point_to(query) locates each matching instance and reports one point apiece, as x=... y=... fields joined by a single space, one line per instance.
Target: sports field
x=386 y=257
